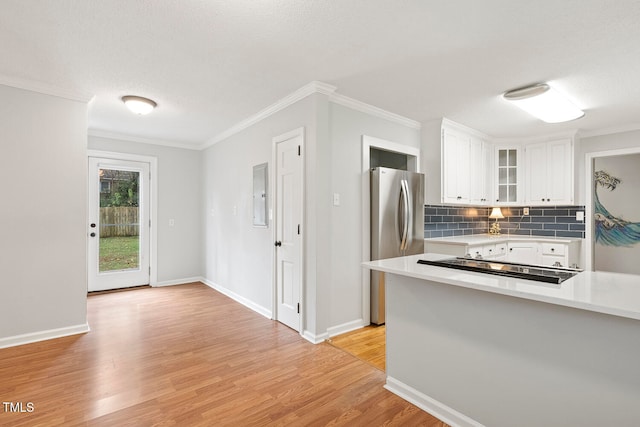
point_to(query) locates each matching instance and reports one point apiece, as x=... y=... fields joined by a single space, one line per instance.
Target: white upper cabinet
x=455 y=166
x=480 y=167
x=466 y=167
x=549 y=173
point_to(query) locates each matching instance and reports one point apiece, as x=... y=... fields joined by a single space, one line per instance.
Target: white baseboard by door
x=239 y=298
x=177 y=282
x=346 y=327
x=43 y=335
x=430 y=405
x=313 y=338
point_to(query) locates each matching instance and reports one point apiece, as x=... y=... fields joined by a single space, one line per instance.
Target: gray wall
x=239 y=257
x=594 y=144
x=179 y=190
x=345 y=177
x=508 y=361
x=43 y=234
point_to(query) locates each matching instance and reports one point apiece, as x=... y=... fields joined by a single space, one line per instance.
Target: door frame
x=413 y=165
x=273 y=219
x=153 y=202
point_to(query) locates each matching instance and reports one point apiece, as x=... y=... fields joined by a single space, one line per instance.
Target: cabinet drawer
x=476 y=251
x=488 y=251
x=554 y=249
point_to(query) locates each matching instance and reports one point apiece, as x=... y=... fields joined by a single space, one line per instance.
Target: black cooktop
x=501 y=268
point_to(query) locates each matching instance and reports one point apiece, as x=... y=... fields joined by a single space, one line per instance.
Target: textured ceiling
x=210 y=64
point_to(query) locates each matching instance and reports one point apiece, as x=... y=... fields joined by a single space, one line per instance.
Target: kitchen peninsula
x=478 y=349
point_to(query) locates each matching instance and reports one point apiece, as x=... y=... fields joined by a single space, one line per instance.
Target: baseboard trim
x=430 y=405
x=346 y=327
x=43 y=335
x=313 y=338
x=238 y=298
x=177 y=282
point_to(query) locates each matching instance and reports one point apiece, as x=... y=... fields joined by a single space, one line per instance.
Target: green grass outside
x=118 y=253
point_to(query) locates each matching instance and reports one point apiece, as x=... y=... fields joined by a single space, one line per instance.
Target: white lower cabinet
x=560 y=254
x=492 y=251
x=540 y=252
x=523 y=252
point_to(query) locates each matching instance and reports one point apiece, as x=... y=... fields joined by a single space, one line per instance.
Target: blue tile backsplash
x=547 y=221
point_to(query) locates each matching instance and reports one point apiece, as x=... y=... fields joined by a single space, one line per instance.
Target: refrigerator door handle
x=404 y=196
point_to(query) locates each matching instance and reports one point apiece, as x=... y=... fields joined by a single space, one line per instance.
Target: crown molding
x=303 y=92
x=45 y=89
x=608 y=131
x=373 y=110
x=465 y=129
x=122 y=137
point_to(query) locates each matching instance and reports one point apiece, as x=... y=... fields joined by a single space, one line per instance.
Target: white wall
x=43 y=283
x=345 y=175
x=179 y=198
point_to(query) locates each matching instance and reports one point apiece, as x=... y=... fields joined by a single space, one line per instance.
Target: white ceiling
x=211 y=63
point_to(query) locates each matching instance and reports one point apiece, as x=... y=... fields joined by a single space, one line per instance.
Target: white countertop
x=484 y=239
x=610 y=293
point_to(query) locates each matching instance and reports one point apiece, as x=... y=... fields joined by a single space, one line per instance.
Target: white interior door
x=288 y=198
x=119 y=224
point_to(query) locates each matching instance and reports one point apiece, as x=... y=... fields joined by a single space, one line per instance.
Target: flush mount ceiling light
x=545 y=103
x=138 y=104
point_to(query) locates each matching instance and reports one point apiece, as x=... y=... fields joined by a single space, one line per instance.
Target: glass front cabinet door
x=508 y=161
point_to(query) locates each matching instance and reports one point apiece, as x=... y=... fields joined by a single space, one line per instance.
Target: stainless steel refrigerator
x=397 y=224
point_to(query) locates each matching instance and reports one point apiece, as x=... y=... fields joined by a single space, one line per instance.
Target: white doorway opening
x=413 y=165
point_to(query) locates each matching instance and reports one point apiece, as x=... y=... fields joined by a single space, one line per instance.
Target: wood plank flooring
x=367 y=344
x=189 y=356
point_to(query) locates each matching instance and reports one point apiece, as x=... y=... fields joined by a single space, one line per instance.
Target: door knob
x=93 y=225
x=92 y=234
x=278 y=243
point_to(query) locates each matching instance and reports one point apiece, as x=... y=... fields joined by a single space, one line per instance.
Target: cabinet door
x=549 y=172
x=560 y=172
x=455 y=167
x=507 y=175
x=525 y=253
x=479 y=171
x=536 y=173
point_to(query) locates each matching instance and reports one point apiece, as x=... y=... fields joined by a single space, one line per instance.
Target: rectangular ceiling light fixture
x=545 y=103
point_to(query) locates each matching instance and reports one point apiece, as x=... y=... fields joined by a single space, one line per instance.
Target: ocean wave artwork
x=609 y=229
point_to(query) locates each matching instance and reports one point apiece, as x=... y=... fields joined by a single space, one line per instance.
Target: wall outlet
x=580 y=216
x=525 y=211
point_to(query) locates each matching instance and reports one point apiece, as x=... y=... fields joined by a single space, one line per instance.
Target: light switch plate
x=525 y=211
x=336 y=199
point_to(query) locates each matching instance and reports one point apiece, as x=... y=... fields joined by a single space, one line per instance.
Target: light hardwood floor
x=367 y=344
x=189 y=356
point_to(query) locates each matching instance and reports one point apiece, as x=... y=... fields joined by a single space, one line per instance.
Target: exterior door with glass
x=119 y=224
